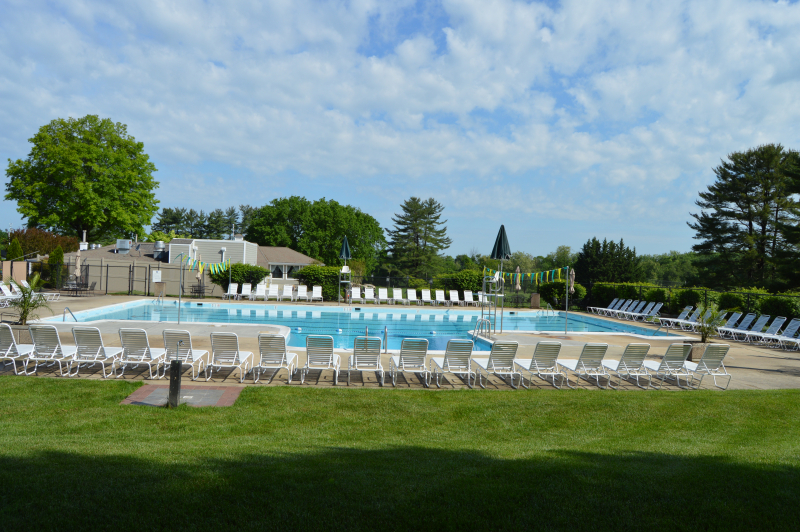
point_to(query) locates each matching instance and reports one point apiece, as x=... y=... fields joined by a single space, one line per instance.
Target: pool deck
x=752 y=367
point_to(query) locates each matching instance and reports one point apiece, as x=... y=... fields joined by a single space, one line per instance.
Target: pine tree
x=14 y=251
x=418 y=235
x=607 y=262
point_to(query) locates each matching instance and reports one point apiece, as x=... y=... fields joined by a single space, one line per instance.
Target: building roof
x=277 y=255
x=140 y=252
x=181 y=241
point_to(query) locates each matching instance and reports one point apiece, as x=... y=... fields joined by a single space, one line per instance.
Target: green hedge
x=779 y=306
x=325 y=276
x=549 y=292
x=241 y=274
x=463 y=280
x=731 y=302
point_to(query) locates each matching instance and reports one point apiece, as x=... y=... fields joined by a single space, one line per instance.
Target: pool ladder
x=483 y=326
x=64 y=315
x=550 y=311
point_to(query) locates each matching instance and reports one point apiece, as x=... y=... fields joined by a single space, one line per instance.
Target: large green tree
x=606 y=261
x=743 y=213
x=419 y=234
x=84 y=174
x=317 y=229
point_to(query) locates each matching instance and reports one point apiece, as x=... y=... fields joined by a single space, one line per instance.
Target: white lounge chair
x=469 y=299
x=454 y=298
x=320 y=355
x=632 y=315
x=426 y=297
x=630 y=365
x=225 y=353
x=10 y=351
x=397 y=295
x=260 y=293
x=787 y=336
x=412 y=359
x=369 y=295
x=287 y=293
x=731 y=321
x=728 y=332
x=136 y=350
x=740 y=335
x=274 y=355
x=653 y=313
x=383 y=296
x=500 y=362
x=7 y=293
x=667 y=322
x=273 y=293
x=621 y=305
x=457 y=360
x=543 y=364
x=672 y=365
x=316 y=293
x=178 y=346
x=710 y=364
x=247 y=291
x=594 y=310
x=440 y=299
x=47 y=349
x=302 y=293
x=355 y=295
x=91 y=351
x=639 y=307
x=412 y=296
x=628 y=308
x=232 y=292
x=366 y=356
x=688 y=322
x=589 y=364
x=758 y=336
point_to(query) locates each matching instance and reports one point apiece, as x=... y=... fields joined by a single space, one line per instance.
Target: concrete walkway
x=751 y=367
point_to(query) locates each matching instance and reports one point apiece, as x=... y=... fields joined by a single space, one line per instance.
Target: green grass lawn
x=308 y=458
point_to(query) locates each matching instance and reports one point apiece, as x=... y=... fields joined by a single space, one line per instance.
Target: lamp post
x=180 y=292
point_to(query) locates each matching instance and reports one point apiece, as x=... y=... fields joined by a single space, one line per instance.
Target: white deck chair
x=710 y=364
x=355 y=294
x=412 y=359
x=273 y=293
x=369 y=295
x=7 y=293
x=274 y=355
x=247 y=291
x=288 y=292
x=383 y=296
x=302 y=292
x=411 y=293
x=787 y=336
x=225 y=353
x=426 y=297
x=590 y=364
x=694 y=326
x=91 y=351
x=628 y=308
x=667 y=322
x=366 y=356
x=635 y=310
x=594 y=310
x=136 y=350
x=731 y=321
x=178 y=346
x=728 y=332
x=672 y=365
x=47 y=349
x=320 y=355
x=740 y=335
x=500 y=362
x=316 y=293
x=397 y=295
x=653 y=313
x=617 y=303
x=457 y=360
x=632 y=315
x=621 y=304
x=772 y=330
x=232 y=292
x=441 y=299
x=454 y=298
x=469 y=299
x=543 y=364
x=630 y=365
x=10 y=350
x=688 y=322
x=261 y=292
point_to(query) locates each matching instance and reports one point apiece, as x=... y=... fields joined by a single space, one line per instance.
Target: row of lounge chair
x=264 y=293
x=411 y=297
x=273 y=354
x=12 y=291
x=629 y=310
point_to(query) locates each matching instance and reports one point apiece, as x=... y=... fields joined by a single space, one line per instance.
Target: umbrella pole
x=566 y=304
x=502 y=299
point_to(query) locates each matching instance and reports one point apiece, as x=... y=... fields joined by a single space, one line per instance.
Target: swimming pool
x=345 y=323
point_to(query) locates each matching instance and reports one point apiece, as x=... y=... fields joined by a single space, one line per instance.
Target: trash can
x=535 y=301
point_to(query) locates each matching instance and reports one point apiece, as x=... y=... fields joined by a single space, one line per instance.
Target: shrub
x=419 y=284
x=550 y=292
x=463 y=280
x=731 y=302
x=55 y=264
x=658 y=295
x=688 y=297
x=325 y=276
x=241 y=274
x=14 y=251
x=779 y=306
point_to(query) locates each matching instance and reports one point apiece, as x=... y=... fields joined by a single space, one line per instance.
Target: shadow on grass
x=402 y=488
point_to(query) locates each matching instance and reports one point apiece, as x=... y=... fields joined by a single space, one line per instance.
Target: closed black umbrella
x=345 y=252
x=501 y=251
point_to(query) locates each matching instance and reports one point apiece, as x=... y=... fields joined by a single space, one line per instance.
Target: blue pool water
x=345 y=323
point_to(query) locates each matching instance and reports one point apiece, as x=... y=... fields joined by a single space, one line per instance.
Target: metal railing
x=482 y=327
x=64 y=314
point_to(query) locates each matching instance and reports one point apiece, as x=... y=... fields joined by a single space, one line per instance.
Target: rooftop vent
x=124 y=245
x=238 y=237
x=83 y=246
x=159 y=245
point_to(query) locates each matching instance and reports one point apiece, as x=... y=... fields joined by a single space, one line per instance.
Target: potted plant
x=707 y=324
x=30 y=301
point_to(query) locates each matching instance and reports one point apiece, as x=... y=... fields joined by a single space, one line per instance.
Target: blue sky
x=561 y=120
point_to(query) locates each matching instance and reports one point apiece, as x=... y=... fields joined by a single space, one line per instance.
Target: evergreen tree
x=231 y=220
x=742 y=215
x=14 y=251
x=418 y=236
x=169 y=219
x=607 y=262
x=215 y=225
